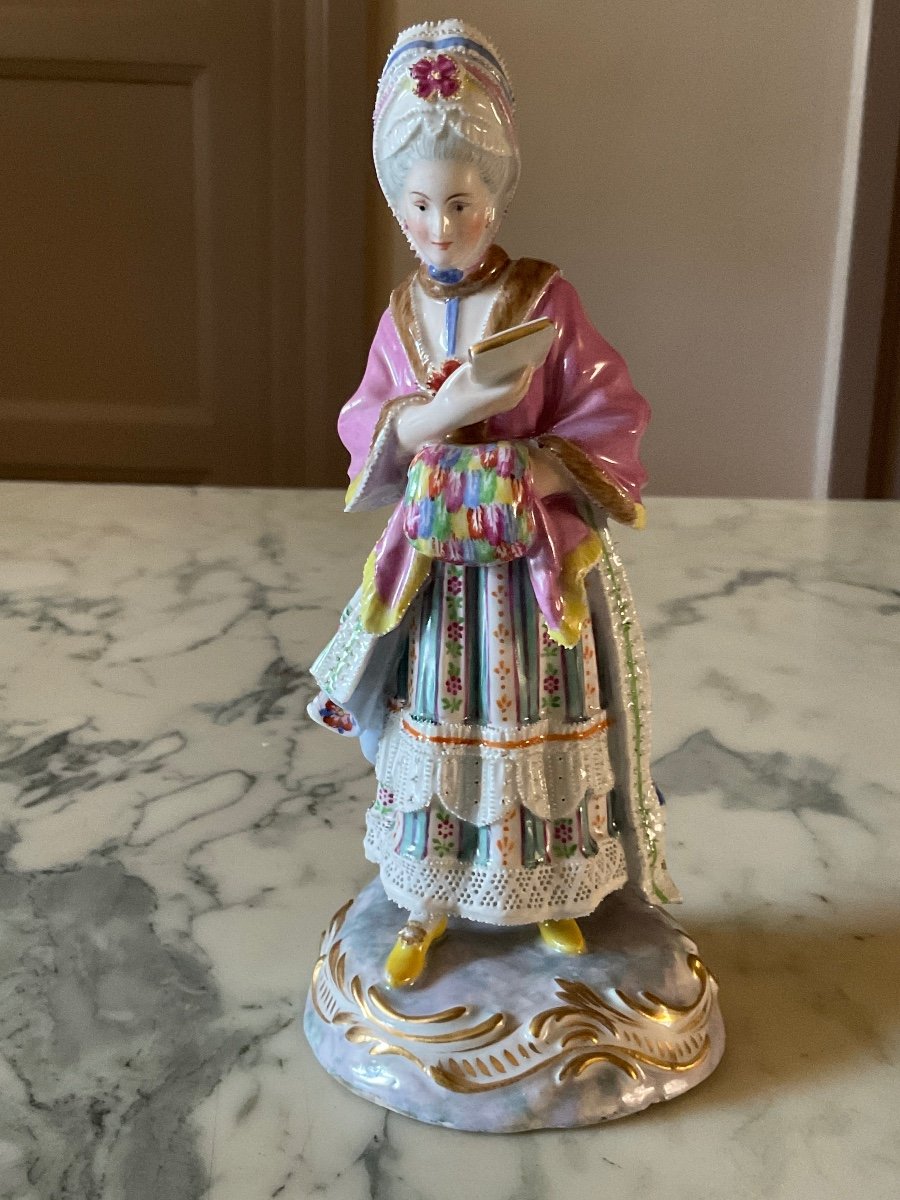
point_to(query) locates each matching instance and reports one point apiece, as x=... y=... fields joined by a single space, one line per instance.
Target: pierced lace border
x=645 y=839
x=479 y=784
x=511 y=896
x=340 y=665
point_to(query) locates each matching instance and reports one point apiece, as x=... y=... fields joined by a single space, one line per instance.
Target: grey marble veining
x=175 y=837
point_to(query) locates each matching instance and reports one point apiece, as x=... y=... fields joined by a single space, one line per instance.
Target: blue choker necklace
x=446 y=275
x=448 y=283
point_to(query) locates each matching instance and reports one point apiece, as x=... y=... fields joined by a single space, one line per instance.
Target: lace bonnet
x=445 y=93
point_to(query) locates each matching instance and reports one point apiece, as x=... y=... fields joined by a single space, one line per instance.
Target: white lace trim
x=340 y=666
x=496 y=896
x=644 y=832
x=480 y=783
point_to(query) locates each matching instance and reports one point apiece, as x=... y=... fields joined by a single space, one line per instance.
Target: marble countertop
x=175 y=836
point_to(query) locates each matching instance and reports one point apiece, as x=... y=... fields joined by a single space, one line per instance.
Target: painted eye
x=420 y=207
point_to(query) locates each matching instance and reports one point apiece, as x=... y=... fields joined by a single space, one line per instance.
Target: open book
x=509 y=351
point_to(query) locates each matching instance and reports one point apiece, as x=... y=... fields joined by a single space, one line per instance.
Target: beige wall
x=690 y=164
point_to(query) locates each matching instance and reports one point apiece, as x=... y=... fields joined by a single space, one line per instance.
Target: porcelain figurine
x=491 y=662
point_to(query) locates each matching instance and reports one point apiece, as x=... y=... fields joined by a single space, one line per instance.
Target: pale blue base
x=632 y=946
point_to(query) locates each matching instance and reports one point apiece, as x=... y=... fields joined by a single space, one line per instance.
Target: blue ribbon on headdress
x=448 y=43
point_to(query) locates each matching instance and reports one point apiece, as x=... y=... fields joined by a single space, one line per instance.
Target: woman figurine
x=491 y=661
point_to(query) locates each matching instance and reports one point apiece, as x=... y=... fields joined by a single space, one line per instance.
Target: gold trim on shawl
x=599 y=487
x=402 y=313
x=523 y=286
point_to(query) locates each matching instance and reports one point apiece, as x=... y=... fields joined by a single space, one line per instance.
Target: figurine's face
x=448 y=212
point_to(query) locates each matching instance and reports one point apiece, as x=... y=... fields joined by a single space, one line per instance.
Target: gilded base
x=503 y=1034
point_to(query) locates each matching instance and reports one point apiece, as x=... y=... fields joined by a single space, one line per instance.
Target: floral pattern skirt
x=493 y=770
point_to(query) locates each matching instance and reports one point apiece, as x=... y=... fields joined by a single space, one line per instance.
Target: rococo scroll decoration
x=467 y=1051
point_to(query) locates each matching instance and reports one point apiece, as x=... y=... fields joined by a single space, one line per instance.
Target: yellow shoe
x=406 y=961
x=564 y=936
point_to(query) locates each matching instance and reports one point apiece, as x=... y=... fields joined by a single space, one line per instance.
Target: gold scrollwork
x=458 y=1051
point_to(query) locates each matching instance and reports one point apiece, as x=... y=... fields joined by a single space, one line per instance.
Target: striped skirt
x=493 y=769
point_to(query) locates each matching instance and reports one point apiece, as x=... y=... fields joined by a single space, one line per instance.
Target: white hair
x=495 y=170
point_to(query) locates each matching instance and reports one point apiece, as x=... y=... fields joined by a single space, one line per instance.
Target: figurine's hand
x=547 y=476
x=466 y=401
x=460 y=401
